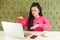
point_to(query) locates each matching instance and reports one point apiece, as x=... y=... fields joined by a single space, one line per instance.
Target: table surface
x=53 y=35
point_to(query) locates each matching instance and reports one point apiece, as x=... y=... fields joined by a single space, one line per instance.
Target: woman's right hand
x=21 y=17
x=35 y=26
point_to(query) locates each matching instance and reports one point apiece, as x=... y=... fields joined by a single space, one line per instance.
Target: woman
x=36 y=21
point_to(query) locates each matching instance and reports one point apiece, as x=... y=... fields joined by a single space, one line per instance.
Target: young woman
x=36 y=21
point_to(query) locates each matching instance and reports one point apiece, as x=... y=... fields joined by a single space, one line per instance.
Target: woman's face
x=35 y=11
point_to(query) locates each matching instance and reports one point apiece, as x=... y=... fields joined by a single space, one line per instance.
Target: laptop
x=14 y=29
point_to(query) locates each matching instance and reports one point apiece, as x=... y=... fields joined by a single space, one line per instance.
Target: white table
x=54 y=35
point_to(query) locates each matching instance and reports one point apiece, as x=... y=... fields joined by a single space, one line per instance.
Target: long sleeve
x=23 y=22
x=44 y=26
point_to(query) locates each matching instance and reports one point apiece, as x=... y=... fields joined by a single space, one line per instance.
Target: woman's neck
x=37 y=16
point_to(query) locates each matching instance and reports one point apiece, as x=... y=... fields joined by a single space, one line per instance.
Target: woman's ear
x=39 y=11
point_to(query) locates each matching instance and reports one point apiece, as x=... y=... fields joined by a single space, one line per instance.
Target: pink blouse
x=42 y=20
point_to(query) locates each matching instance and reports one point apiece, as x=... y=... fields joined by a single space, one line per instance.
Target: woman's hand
x=21 y=17
x=35 y=26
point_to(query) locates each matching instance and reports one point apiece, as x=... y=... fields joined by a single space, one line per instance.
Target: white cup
x=46 y=33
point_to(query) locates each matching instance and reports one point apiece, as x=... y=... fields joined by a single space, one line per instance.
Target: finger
x=21 y=17
x=31 y=28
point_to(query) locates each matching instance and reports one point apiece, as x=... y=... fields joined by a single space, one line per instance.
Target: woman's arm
x=23 y=22
x=44 y=26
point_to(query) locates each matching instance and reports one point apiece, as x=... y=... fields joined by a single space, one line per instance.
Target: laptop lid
x=13 y=29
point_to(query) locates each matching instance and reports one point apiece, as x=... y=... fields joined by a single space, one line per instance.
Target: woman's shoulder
x=43 y=17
